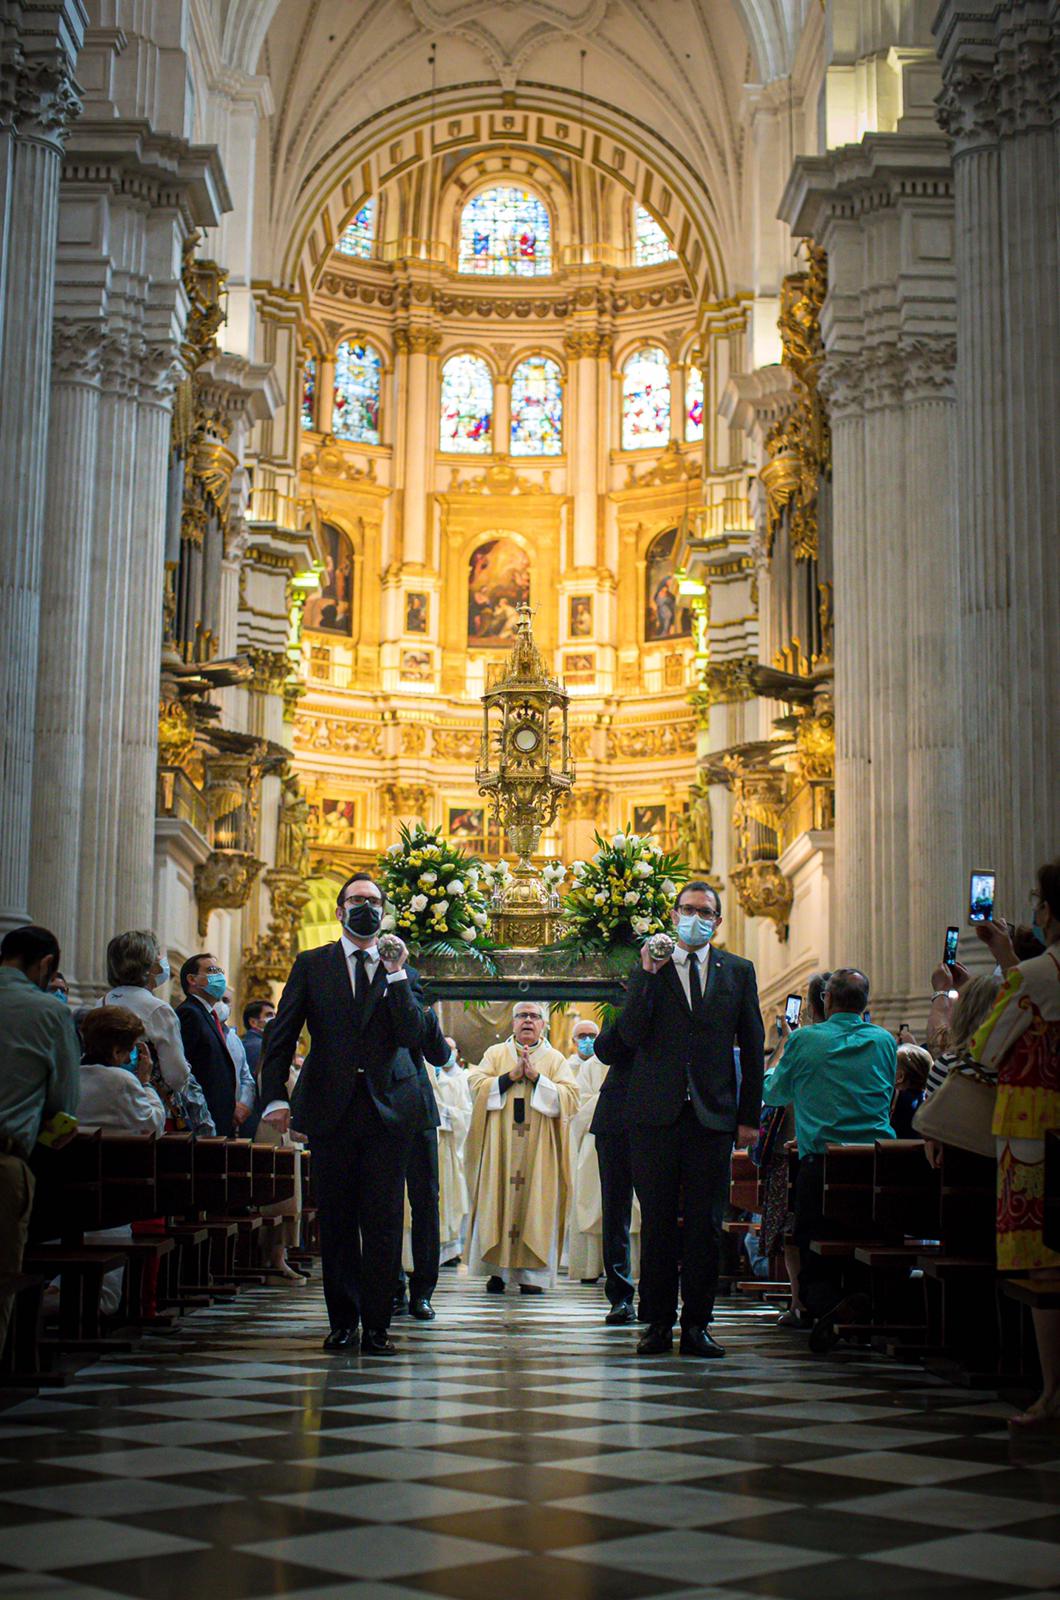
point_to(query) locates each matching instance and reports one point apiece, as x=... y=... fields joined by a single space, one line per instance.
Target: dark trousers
x=616 y=1193
x=680 y=1172
x=359 y=1177
x=821 y=1278
x=422 y=1182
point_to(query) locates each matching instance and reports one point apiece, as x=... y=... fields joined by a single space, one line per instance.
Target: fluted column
x=422 y=346
x=59 y=737
x=582 y=441
x=103 y=813
x=1001 y=108
x=143 y=636
x=44 y=100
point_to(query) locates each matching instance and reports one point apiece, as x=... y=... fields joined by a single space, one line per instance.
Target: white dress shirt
x=680 y=959
x=115 y=1100
x=162 y=1027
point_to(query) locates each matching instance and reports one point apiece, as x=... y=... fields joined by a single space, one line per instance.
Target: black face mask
x=362 y=921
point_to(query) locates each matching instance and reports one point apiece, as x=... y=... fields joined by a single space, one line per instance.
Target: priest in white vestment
x=523 y=1093
x=585 y=1257
x=453 y=1094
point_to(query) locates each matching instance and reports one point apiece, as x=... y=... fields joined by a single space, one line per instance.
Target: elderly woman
x=136 y=965
x=1021 y=1040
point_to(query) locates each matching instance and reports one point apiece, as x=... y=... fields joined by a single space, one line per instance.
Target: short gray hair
x=130 y=958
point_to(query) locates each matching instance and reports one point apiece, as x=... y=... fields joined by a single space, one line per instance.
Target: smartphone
x=792 y=1010
x=981 y=897
x=949 y=953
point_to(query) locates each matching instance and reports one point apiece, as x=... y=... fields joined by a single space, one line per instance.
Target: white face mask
x=166 y=973
x=222 y=1011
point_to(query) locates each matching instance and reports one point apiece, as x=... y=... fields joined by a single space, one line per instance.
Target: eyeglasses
x=362 y=900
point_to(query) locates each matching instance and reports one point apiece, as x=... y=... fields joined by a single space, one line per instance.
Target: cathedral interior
x=721 y=335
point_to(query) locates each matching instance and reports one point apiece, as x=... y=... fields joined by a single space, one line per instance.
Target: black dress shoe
x=494 y=1285
x=530 y=1288
x=825 y=1334
x=696 y=1341
x=377 y=1342
x=340 y=1339
x=621 y=1315
x=658 y=1341
x=400 y=1306
x=422 y=1310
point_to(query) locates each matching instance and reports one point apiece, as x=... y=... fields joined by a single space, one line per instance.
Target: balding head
x=529 y=1020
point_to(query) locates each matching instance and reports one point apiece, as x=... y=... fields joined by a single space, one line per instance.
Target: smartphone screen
x=950 y=953
x=981 y=897
x=792 y=1010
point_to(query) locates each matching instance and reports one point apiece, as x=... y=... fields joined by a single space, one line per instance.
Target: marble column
x=582 y=434
x=999 y=105
x=43 y=99
x=421 y=412
x=143 y=641
x=59 y=747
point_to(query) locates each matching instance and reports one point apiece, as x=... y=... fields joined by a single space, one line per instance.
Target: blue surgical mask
x=694 y=930
x=134 y=1059
x=216 y=984
x=584 y=1047
x=1038 y=934
x=64 y=999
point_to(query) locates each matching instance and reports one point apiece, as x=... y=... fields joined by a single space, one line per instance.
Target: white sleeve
x=276 y=1105
x=545 y=1097
x=137 y=1109
x=163 y=1030
x=401 y=976
x=495 y=1100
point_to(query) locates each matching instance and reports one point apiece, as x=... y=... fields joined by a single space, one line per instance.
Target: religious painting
x=331 y=610
x=667 y=613
x=580 y=616
x=416 y=666
x=650 y=819
x=337 y=823
x=498 y=584
x=467 y=827
x=416 y=613
x=578 y=668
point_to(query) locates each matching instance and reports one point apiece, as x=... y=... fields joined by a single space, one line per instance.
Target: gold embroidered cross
x=513 y=1233
x=518 y=1180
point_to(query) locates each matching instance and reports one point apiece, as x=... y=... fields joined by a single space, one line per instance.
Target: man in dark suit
x=608 y=1128
x=686 y=1100
x=203 y=980
x=421 y=1180
x=360 y=1099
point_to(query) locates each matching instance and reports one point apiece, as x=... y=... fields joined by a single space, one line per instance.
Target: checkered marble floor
x=515 y=1450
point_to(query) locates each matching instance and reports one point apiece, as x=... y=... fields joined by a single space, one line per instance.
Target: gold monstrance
x=524 y=767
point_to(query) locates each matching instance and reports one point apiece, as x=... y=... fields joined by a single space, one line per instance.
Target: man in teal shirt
x=838 y=1077
x=40 y=1067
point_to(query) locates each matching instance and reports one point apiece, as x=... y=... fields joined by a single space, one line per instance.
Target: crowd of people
x=613 y=1161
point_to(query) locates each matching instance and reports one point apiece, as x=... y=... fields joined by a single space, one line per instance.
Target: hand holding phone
x=981 y=896
x=793 y=1010
x=949 y=953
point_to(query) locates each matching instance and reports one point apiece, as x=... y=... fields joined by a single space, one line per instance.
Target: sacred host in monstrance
x=524 y=1094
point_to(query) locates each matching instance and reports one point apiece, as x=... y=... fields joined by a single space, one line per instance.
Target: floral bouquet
x=622 y=896
x=438 y=896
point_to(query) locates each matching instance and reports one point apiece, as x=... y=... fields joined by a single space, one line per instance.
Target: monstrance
x=525 y=768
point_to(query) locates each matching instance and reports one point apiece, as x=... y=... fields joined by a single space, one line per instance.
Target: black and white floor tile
x=515 y=1450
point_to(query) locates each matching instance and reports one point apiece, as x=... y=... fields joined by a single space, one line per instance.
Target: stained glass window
x=355 y=408
x=650 y=243
x=467 y=406
x=537 y=408
x=309 y=392
x=358 y=239
x=694 y=403
x=504 y=232
x=646 y=399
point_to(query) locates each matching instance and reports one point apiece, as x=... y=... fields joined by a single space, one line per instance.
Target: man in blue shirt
x=839 y=1079
x=40 y=1075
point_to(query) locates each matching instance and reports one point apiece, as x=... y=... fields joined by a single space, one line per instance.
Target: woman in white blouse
x=136 y=965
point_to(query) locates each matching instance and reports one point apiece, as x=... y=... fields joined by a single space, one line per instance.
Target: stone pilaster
x=421 y=345
x=39 y=98
x=1000 y=105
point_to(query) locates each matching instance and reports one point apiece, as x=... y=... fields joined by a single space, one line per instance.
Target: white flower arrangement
x=622 y=896
x=438 y=895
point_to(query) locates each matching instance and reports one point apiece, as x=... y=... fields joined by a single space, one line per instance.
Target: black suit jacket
x=209 y=1059
x=387 y=1041
x=662 y=1049
x=610 y=1113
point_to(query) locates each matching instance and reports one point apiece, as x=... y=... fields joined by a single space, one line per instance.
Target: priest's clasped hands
x=524 y=1068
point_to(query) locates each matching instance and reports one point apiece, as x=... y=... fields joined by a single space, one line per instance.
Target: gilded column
x=43 y=99
x=59 y=732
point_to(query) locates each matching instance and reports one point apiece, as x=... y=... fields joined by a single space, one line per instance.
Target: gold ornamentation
x=417 y=340
x=587 y=805
x=223 y=883
x=330 y=460
x=292 y=827
x=815 y=743
x=726 y=683
x=799 y=444
x=456 y=744
x=695 y=829
x=414 y=739
x=673 y=466
x=500 y=477
x=268 y=961
x=271 y=670
x=176 y=734
x=407 y=800
x=592 y=342
x=652 y=741
x=581 y=743
x=763 y=891
x=343 y=736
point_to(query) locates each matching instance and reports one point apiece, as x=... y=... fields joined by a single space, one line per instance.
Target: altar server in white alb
x=453 y=1094
x=585 y=1252
x=523 y=1092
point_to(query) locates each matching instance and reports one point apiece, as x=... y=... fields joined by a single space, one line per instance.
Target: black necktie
x=695 y=987
x=361 y=985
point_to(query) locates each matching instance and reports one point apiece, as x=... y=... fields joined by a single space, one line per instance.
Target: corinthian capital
x=417 y=340
x=77 y=351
